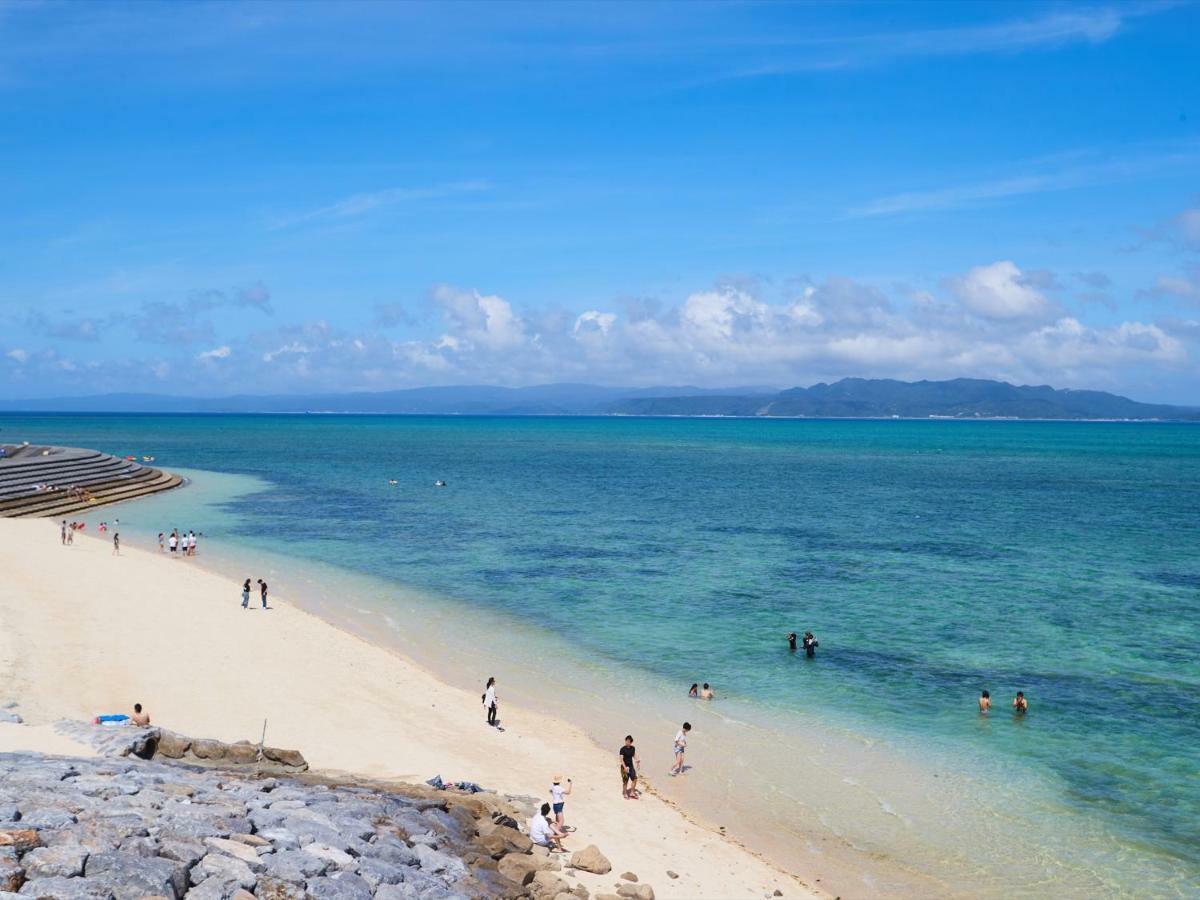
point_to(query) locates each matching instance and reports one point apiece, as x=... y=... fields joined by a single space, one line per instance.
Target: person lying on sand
x=543 y=832
x=139 y=717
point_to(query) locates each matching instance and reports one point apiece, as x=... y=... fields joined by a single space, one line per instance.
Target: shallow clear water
x=932 y=559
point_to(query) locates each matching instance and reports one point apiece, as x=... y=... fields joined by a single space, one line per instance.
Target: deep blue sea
x=931 y=559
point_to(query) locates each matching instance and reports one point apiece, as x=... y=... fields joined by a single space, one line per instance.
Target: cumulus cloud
x=70 y=327
x=1001 y=291
x=994 y=321
x=18 y=354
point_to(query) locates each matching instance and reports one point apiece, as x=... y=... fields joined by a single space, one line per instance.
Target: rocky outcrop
x=154 y=742
x=123 y=827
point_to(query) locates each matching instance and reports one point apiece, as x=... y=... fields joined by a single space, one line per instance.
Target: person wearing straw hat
x=557 y=796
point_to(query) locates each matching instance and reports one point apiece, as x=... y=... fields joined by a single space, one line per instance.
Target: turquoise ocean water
x=932 y=559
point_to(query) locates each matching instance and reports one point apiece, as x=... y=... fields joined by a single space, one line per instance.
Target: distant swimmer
x=810 y=645
x=985 y=702
x=792 y=641
x=392 y=481
x=439 y=483
x=694 y=692
x=1020 y=704
x=706 y=693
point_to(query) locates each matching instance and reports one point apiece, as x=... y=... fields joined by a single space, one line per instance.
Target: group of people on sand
x=262 y=591
x=1020 y=705
x=182 y=544
x=546 y=831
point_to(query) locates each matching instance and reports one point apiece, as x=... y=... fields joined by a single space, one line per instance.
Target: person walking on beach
x=558 y=799
x=489 y=701
x=1020 y=704
x=985 y=702
x=191 y=543
x=116 y=543
x=71 y=533
x=246 y=594
x=681 y=737
x=792 y=641
x=173 y=541
x=810 y=645
x=629 y=762
x=262 y=589
x=161 y=539
x=64 y=532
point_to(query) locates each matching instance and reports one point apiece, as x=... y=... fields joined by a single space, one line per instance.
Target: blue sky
x=216 y=198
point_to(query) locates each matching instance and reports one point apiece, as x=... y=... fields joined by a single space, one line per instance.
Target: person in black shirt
x=262 y=589
x=792 y=641
x=810 y=645
x=629 y=764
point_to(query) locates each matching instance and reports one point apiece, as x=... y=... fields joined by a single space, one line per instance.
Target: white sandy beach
x=83 y=632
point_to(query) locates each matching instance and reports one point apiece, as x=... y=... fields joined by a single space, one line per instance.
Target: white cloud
x=999 y=291
x=18 y=355
x=216 y=353
x=594 y=321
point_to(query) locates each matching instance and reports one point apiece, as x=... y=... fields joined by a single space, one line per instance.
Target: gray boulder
x=341 y=886
x=376 y=872
x=131 y=876
x=62 y=861
x=295 y=866
x=227 y=868
x=65 y=889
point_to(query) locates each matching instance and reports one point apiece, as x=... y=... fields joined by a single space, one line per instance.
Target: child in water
x=694 y=692
x=1020 y=704
x=985 y=702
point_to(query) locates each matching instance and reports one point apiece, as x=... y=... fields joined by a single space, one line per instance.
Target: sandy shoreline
x=83 y=632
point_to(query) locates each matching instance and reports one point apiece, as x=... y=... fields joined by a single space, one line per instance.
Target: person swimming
x=1020 y=704
x=694 y=691
x=985 y=702
x=792 y=641
x=706 y=693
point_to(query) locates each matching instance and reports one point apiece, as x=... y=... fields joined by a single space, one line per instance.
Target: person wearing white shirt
x=542 y=832
x=489 y=701
x=680 y=747
x=558 y=796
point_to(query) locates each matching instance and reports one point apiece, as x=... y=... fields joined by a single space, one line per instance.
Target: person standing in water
x=985 y=702
x=810 y=645
x=246 y=594
x=706 y=693
x=792 y=641
x=694 y=691
x=489 y=701
x=1020 y=704
x=161 y=539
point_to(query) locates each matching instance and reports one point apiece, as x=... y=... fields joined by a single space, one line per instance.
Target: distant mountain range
x=853 y=398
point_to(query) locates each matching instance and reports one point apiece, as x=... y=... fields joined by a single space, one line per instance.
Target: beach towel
x=110 y=720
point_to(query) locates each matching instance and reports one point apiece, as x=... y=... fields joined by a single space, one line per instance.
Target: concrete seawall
x=43 y=481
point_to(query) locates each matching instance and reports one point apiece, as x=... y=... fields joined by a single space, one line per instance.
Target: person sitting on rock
x=545 y=833
x=139 y=718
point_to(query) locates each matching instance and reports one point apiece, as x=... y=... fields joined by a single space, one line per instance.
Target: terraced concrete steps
x=106 y=478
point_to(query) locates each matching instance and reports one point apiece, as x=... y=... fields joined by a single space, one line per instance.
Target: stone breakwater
x=127 y=828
